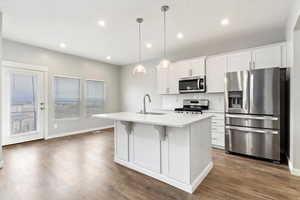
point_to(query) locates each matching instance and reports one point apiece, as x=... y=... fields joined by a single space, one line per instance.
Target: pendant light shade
x=139 y=68
x=164 y=63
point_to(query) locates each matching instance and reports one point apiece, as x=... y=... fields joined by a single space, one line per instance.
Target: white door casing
x=24 y=122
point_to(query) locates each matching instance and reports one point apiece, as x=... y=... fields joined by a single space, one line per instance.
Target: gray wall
x=135 y=87
x=64 y=64
x=293 y=40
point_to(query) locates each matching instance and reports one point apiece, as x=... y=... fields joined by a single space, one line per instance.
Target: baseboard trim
x=190 y=188
x=78 y=132
x=293 y=171
x=202 y=176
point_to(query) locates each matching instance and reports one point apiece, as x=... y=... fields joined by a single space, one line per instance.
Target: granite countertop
x=170 y=119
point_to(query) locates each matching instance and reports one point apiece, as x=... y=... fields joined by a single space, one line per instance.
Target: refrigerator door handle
x=252 y=117
x=244 y=129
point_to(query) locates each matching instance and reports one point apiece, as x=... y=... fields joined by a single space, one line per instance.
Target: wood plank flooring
x=82 y=167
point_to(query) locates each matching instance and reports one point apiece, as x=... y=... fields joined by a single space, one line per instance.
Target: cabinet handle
x=250 y=65
x=253 y=65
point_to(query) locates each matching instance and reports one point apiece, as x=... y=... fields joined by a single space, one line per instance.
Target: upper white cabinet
x=215 y=72
x=162 y=81
x=258 y=58
x=167 y=79
x=193 y=67
x=239 y=61
x=197 y=67
x=267 y=57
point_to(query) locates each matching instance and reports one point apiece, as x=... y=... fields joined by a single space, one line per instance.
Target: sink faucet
x=144 y=101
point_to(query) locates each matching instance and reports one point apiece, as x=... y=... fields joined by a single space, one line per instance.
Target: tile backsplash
x=216 y=100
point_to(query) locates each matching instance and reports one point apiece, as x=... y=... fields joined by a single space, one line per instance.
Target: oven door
x=191 y=85
x=263 y=143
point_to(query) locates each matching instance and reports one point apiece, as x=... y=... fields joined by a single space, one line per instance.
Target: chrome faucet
x=144 y=101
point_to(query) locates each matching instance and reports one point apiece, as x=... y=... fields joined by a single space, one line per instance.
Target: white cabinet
x=193 y=67
x=167 y=79
x=178 y=151
x=215 y=73
x=258 y=58
x=267 y=57
x=239 y=61
x=218 y=130
x=121 y=142
x=173 y=79
x=197 y=67
x=146 y=147
x=162 y=81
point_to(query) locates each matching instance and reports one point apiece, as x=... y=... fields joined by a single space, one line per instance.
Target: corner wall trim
x=1 y=164
x=78 y=132
x=293 y=171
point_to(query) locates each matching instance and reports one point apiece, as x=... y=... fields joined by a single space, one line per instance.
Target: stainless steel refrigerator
x=256 y=113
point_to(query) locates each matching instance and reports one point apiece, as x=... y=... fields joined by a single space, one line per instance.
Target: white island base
x=179 y=156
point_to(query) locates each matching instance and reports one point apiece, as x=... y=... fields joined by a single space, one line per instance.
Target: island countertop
x=170 y=119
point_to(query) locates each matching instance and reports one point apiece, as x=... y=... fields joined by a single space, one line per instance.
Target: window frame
x=85 y=96
x=54 y=96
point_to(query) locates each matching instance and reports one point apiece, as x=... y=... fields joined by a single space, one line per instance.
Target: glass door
x=24 y=104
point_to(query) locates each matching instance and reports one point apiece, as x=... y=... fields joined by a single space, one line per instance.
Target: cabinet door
x=239 y=61
x=178 y=142
x=197 y=67
x=267 y=57
x=215 y=73
x=183 y=69
x=162 y=81
x=121 y=142
x=173 y=79
x=146 y=147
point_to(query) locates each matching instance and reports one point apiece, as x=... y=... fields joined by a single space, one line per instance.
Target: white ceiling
x=48 y=23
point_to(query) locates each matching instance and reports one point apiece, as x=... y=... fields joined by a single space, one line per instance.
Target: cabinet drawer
x=218 y=130
x=217 y=123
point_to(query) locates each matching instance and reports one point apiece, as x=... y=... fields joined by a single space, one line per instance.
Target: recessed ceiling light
x=62 y=45
x=149 y=45
x=101 y=23
x=108 y=58
x=179 y=35
x=225 y=22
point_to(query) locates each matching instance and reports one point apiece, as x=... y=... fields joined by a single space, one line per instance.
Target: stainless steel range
x=193 y=106
x=256 y=113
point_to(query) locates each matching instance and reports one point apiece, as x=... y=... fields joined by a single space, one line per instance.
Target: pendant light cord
x=140 y=41
x=165 y=36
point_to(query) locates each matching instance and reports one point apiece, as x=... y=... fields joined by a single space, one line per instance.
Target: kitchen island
x=171 y=147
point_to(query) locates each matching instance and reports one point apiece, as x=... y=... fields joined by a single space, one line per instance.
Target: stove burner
x=192 y=106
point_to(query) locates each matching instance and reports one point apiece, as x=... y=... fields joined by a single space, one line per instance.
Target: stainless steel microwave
x=195 y=84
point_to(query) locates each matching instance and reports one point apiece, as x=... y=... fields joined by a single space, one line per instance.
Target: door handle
x=245 y=129
x=42 y=106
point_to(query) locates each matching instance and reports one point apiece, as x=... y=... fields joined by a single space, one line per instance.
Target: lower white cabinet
x=121 y=141
x=180 y=156
x=218 y=130
x=146 y=147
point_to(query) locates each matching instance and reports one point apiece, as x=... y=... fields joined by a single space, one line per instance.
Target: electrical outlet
x=55 y=126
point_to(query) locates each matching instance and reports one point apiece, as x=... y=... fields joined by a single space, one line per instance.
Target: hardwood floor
x=82 y=167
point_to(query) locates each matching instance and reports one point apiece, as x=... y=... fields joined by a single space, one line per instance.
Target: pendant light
x=165 y=63
x=139 y=68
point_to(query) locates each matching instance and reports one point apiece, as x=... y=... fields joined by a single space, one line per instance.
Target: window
x=67 y=97
x=94 y=97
